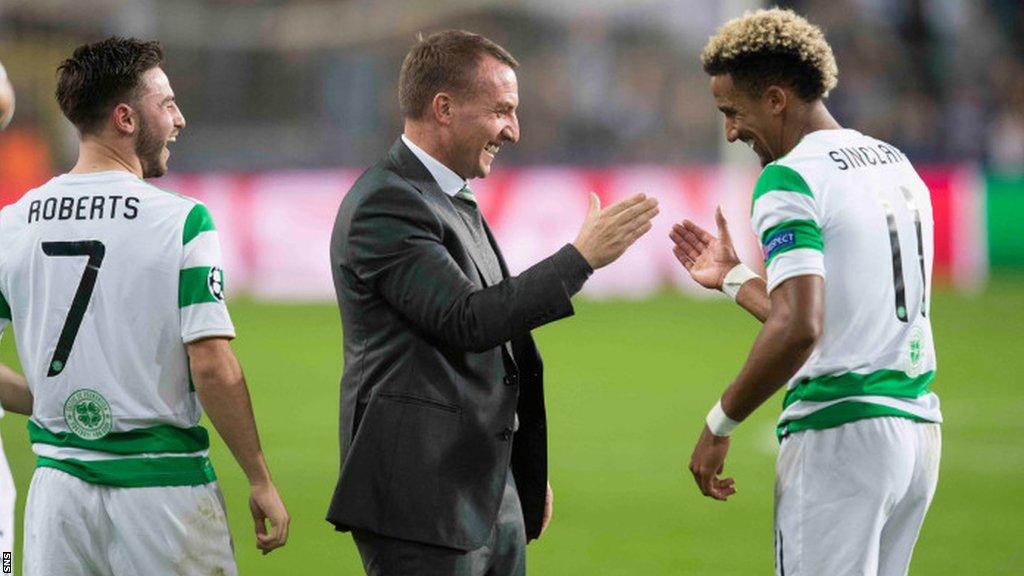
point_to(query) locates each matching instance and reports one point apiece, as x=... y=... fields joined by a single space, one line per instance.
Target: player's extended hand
x=549 y=509
x=265 y=504
x=707 y=462
x=607 y=233
x=707 y=258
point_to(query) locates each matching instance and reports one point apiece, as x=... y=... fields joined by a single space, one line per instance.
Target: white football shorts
x=850 y=500
x=7 y=499
x=74 y=528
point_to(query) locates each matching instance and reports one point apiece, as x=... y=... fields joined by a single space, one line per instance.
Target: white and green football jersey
x=852 y=209
x=105 y=279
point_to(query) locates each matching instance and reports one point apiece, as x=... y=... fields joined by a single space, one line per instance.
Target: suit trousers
x=504 y=554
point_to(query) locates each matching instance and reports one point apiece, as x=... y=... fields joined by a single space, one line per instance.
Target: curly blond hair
x=769 y=47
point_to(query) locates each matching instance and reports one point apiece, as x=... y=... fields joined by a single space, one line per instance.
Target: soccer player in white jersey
x=14 y=392
x=846 y=230
x=15 y=397
x=117 y=296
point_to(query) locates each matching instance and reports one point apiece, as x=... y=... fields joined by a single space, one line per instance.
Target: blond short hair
x=769 y=47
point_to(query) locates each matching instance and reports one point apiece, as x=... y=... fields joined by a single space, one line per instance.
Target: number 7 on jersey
x=95 y=251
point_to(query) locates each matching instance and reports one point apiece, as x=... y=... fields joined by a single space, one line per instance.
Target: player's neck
x=95 y=155
x=806 y=119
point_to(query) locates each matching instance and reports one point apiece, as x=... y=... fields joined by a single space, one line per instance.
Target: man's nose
x=511 y=131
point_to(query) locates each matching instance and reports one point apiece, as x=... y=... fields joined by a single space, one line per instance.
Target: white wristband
x=718 y=422
x=735 y=278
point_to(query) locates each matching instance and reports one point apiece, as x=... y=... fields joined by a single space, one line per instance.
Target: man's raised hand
x=607 y=233
x=707 y=258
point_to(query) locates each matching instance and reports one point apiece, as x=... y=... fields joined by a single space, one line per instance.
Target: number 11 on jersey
x=899 y=286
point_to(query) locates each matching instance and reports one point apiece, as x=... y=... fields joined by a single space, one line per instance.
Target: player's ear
x=123 y=118
x=776 y=98
x=441 y=108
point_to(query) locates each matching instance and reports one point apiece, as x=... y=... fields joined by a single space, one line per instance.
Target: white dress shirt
x=449 y=181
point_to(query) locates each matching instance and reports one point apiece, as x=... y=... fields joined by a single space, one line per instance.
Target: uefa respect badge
x=87 y=414
x=778 y=242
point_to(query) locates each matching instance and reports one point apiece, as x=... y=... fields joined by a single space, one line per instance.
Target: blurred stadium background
x=287 y=102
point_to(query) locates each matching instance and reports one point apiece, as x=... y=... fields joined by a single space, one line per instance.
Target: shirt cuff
x=575 y=267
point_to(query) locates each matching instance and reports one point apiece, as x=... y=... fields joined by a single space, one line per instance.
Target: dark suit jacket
x=429 y=392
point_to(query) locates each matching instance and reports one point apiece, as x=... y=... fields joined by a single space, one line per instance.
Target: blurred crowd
x=942 y=79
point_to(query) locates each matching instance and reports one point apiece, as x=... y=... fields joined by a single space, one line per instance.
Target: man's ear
x=124 y=119
x=776 y=98
x=441 y=108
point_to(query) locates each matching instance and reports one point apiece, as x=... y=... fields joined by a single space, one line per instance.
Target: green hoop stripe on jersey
x=891 y=383
x=155 y=439
x=5 y=308
x=137 y=472
x=776 y=240
x=194 y=286
x=839 y=414
x=197 y=221
x=779 y=178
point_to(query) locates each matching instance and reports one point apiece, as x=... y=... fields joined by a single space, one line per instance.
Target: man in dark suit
x=442 y=428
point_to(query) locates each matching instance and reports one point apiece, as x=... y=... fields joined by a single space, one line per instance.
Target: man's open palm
x=707 y=258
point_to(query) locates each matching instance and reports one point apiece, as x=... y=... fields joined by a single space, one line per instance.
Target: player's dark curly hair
x=769 y=47
x=98 y=76
x=444 y=61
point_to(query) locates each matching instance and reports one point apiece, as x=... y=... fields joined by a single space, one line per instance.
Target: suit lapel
x=497 y=251
x=408 y=166
x=508 y=351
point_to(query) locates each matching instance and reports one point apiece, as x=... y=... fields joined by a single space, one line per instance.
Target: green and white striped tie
x=467 y=195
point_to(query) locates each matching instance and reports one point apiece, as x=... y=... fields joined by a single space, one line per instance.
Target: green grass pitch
x=628 y=384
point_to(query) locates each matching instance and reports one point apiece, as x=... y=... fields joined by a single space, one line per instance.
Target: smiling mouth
x=492 y=149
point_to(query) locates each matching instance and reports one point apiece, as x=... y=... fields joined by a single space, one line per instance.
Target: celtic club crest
x=87 y=414
x=915 y=352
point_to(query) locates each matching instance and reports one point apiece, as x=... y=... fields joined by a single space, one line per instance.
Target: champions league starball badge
x=215 y=282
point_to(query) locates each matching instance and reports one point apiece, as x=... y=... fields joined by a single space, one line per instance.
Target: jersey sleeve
x=785 y=216
x=204 y=313
x=5 y=314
